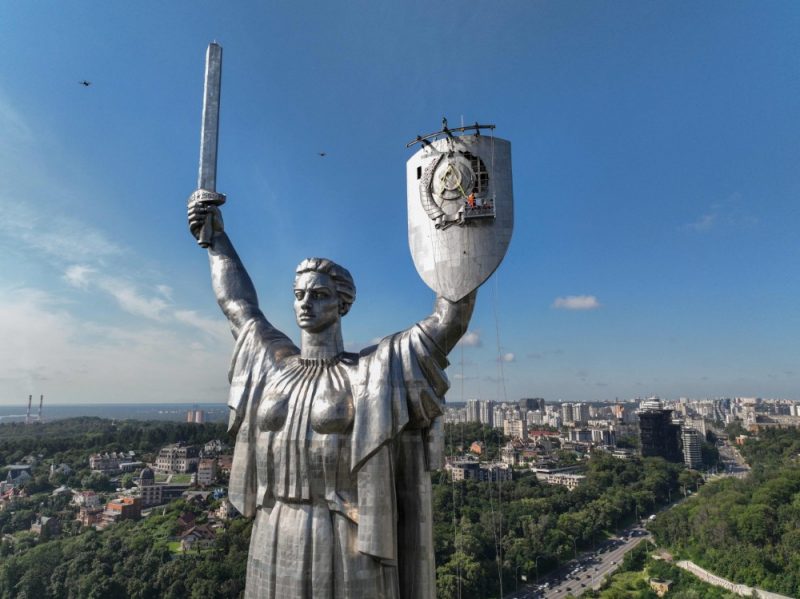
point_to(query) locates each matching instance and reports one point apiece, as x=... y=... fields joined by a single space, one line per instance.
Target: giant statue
x=333 y=450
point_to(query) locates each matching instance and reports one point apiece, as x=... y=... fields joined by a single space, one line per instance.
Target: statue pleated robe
x=332 y=458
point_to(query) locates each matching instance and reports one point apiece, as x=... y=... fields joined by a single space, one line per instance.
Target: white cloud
x=730 y=213
x=132 y=300
x=703 y=223
x=508 y=357
x=470 y=339
x=576 y=302
x=56 y=236
x=77 y=275
x=47 y=350
x=217 y=328
x=165 y=290
x=11 y=122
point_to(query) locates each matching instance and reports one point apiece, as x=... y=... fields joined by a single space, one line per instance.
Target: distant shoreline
x=213 y=412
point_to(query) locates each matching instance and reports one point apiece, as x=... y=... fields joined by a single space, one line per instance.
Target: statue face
x=316 y=303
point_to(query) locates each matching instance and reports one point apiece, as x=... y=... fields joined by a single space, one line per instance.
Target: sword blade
x=209 y=131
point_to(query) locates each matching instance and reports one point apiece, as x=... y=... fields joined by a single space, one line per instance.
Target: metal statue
x=333 y=449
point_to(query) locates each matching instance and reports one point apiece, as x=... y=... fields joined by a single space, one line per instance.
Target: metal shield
x=460 y=211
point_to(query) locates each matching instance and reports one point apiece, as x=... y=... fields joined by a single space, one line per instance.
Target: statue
x=333 y=449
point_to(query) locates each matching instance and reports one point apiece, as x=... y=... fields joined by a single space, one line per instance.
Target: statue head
x=323 y=291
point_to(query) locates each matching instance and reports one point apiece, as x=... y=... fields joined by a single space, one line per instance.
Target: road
x=590 y=568
x=587 y=571
x=733 y=461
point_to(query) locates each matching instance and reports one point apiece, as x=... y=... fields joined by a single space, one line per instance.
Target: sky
x=655 y=151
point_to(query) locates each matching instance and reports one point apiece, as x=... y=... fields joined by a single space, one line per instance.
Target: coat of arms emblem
x=460 y=207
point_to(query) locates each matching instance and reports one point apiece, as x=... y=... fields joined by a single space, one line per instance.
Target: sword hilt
x=209 y=198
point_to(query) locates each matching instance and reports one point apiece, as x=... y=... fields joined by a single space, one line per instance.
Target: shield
x=460 y=211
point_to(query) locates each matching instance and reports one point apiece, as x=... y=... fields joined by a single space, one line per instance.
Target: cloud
x=132 y=300
x=576 y=302
x=78 y=275
x=703 y=223
x=728 y=214
x=11 y=122
x=470 y=339
x=507 y=357
x=214 y=327
x=47 y=350
x=58 y=237
x=165 y=290
x=157 y=307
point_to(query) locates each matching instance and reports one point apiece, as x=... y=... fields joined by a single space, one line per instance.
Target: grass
x=181 y=479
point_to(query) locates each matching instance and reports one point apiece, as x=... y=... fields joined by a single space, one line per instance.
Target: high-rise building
x=580 y=412
x=692 y=454
x=515 y=429
x=498 y=415
x=532 y=403
x=473 y=411
x=487 y=412
x=658 y=435
x=567 y=414
x=535 y=417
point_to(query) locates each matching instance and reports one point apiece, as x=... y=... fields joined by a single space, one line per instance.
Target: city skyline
x=654 y=151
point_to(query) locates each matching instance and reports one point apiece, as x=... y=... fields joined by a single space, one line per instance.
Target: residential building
x=109 y=463
x=226 y=511
x=580 y=413
x=567 y=414
x=658 y=435
x=692 y=447
x=177 y=458
x=121 y=508
x=471 y=470
x=206 y=471
x=198 y=537
x=473 y=411
x=45 y=526
x=153 y=493
x=89 y=515
x=515 y=429
x=487 y=412
x=566 y=477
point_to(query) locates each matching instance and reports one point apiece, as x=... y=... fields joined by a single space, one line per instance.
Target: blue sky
x=655 y=150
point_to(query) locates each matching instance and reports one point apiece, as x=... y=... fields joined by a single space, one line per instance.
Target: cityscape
x=501 y=445
x=400 y=300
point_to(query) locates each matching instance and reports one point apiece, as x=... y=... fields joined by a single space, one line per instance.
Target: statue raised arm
x=232 y=285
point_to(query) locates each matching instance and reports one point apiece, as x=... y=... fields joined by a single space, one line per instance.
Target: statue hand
x=200 y=208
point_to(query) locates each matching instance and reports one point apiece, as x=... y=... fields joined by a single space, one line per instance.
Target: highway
x=589 y=569
x=585 y=572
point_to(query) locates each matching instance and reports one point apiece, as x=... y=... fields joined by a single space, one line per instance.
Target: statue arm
x=449 y=320
x=233 y=288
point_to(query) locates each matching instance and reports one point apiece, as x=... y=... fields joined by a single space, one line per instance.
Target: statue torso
x=305 y=417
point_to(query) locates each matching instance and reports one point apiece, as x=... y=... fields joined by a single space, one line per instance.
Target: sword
x=209 y=134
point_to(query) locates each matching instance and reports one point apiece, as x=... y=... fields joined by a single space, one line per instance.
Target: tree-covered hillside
x=746 y=530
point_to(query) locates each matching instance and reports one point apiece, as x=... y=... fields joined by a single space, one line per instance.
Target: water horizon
x=177 y=411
